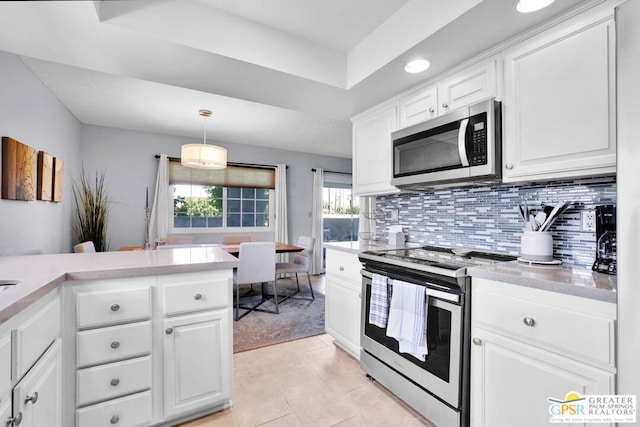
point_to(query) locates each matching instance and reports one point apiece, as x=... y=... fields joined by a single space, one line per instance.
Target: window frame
x=224 y=229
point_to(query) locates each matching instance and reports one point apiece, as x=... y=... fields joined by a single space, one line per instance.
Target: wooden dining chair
x=230 y=240
x=301 y=263
x=257 y=264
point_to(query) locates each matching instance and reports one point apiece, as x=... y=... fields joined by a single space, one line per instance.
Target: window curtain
x=159 y=220
x=316 y=220
x=281 y=226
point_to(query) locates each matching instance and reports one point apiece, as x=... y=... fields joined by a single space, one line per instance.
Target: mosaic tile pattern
x=487 y=218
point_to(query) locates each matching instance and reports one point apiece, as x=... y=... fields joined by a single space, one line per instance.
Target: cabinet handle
x=341 y=268
x=115 y=344
x=169 y=331
x=445 y=105
x=15 y=420
x=115 y=381
x=33 y=398
x=115 y=419
x=197 y=297
x=431 y=110
x=477 y=341
x=115 y=307
x=529 y=321
x=509 y=166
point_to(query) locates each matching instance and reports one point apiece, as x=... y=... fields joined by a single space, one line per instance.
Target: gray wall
x=128 y=159
x=31 y=114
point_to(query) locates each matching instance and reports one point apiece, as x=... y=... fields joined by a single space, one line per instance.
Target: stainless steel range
x=437 y=387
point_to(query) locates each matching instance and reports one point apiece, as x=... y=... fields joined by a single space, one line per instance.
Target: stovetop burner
x=434 y=258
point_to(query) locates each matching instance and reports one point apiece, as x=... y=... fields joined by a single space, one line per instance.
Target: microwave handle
x=462 y=146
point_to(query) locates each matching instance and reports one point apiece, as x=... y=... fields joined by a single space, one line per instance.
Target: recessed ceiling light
x=526 y=6
x=416 y=66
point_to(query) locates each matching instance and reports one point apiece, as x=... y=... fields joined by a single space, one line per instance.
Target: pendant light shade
x=203 y=156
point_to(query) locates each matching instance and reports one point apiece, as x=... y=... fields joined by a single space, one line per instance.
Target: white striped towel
x=379 y=302
x=408 y=318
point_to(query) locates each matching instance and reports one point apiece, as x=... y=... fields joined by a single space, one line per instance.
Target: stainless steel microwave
x=460 y=147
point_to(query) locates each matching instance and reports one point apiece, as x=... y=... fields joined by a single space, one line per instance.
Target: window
x=339 y=209
x=235 y=198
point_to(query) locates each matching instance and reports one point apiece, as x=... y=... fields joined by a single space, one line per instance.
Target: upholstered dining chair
x=230 y=240
x=257 y=265
x=301 y=263
x=84 y=247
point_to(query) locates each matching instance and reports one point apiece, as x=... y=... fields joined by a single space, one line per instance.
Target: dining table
x=281 y=248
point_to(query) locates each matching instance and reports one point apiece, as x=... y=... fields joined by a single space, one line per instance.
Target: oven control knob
x=477 y=341
x=529 y=321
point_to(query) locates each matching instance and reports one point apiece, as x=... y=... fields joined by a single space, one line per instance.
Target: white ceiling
x=280 y=73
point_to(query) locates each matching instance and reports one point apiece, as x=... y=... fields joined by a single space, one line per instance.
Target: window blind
x=231 y=176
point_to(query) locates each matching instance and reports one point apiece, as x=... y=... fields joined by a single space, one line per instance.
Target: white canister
x=537 y=246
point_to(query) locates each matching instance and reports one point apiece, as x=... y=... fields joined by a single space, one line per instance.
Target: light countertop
x=39 y=274
x=561 y=279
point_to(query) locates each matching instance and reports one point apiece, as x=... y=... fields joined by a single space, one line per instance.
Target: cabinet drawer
x=112 y=380
x=560 y=329
x=127 y=411
x=113 y=343
x=195 y=294
x=343 y=264
x=101 y=308
x=32 y=338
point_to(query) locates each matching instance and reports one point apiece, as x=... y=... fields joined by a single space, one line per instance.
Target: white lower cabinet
x=147 y=350
x=343 y=299
x=197 y=365
x=36 y=397
x=529 y=345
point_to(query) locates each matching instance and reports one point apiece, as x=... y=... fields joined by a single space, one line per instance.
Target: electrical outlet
x=588 y=217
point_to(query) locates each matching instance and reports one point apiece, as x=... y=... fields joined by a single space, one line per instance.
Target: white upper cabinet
x=372 y=151
x=559 y=102
x=418 y=106
x=475 y=84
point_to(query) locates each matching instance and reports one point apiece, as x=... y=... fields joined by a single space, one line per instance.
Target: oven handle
x=434 y=293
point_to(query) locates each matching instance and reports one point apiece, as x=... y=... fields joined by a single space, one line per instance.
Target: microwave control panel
x=478 y=146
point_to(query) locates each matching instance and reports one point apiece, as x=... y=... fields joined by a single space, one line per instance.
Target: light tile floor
x=308 y=382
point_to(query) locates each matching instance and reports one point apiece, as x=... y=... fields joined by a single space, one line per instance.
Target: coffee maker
x=606 y=245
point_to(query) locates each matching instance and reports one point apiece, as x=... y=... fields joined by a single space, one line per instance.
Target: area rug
x=298 y=318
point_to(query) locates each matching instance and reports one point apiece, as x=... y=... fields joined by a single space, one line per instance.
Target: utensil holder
x=537 y=246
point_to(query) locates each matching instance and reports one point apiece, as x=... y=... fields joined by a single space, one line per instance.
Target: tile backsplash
x=487 y=218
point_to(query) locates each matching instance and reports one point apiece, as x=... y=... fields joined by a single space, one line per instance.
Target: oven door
x=440 y=373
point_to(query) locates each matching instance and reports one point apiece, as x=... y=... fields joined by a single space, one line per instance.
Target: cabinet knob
x=431 y=110
x=197 y=297
x=15 y=420
x=115 y=307
x=115 y=344
x=477 y=341
x=33 y=398
x=169 y=331
x=509 y=166
x=115 y=381
x=341 y=268
x=445 y=105
x=115 y=419
x=529 y=321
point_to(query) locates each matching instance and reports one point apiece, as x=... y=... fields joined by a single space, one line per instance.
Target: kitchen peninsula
x=138 y=338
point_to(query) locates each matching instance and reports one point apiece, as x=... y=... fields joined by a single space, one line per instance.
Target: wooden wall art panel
x=18 y=170
x=44 y=187
x=58 y=172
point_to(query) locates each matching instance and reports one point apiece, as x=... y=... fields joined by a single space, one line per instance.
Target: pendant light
x=203 y=156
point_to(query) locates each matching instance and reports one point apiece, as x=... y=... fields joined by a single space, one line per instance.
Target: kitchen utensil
x=534 y=225
x=540 y=218
x=547 y=223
